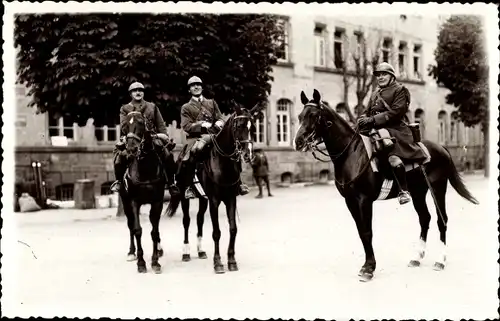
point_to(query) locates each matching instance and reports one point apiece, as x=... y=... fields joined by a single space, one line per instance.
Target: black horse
x=144 y=183
x=219 y=176
x=360 y=185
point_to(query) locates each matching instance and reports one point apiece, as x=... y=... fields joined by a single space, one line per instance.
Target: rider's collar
x=200 y=98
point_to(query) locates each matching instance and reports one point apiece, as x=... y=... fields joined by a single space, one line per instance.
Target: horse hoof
x=366 y=276
x=131 y=257
x=160 y=253
x=141 y=269
x=219 y=269
x=414 y=263
x=232 y=266
x=186 y=257
x=156 y=268
x=202 y=255
x=438 y=266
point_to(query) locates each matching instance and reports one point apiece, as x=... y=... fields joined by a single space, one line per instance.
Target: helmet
x=194 y=80
x=385 y=67
x=136 y=85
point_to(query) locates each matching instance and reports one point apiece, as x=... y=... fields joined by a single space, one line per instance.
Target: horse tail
x=456 y=181
x=173 y=204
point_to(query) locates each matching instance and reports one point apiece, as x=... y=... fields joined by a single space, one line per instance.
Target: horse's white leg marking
x=420 y=250
x=442 y=253
x=186 y=249
x=159 y=246
x=200 y=248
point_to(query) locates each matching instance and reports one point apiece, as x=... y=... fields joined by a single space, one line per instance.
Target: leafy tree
x=82 y=65
x=461 y=67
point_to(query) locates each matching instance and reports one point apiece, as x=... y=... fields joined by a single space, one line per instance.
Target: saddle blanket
x=388 y=184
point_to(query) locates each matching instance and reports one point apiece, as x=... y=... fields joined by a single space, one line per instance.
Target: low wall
x=62 y=166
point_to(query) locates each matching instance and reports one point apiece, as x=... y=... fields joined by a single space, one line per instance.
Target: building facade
x=313 y=52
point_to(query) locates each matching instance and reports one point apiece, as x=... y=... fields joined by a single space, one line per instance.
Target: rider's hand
x=364 y=122
x=219 y=124
x=206 y=125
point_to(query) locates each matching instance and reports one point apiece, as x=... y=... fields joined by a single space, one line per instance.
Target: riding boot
x=188 y=172
x=170 y=169
x=120 y=167
x=400 y=176
x=243 y=188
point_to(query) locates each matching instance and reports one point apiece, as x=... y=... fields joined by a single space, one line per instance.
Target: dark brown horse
x=144 y=183
x=360 y=185
x=219 y=175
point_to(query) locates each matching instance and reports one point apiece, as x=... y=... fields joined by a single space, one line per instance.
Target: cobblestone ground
x=298 y=255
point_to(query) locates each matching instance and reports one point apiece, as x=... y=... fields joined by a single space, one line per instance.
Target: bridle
x=312 y=143
x=235 y=155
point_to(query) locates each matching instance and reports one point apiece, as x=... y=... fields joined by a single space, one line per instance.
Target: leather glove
x=206 y=125
x=219 y=124
x=365 y=122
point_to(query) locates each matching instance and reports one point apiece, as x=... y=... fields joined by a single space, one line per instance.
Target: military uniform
x=162 y=142
x=387 y=109
x=260 y=167
x=197 y=115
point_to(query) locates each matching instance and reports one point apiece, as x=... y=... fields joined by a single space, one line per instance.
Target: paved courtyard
x=298 y=255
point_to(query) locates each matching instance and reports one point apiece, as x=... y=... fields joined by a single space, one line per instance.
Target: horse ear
x=303 y=98
x=316 y=96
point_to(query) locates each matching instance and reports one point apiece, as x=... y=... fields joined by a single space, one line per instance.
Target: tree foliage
x=461 y=67
x=82 y=65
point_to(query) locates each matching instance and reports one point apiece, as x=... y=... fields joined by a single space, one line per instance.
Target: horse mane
x=336 y=115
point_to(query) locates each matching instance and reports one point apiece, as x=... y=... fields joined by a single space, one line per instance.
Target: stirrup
x=116 y=186
x=189 y=193
x=404 y=197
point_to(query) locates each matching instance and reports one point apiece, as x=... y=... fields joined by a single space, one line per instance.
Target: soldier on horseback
x=197 y=117
x=163 y=144
x=387 y=109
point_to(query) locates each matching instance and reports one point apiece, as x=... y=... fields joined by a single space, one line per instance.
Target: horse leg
x=233 y=230
x=418 y=194
x=214 y=215
x=186 y=221
x=442 y=220
x=362 y=211
x=154 y=218
x=200 y=219
x=130 y=224
x=141 y=264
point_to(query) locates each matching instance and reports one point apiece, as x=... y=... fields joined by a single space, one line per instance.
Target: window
x=420 y=119
x=283 y=40
x=402 y=61
x=283 y=121
x=417 y=51
x=442 y=127
x=386 y=50
x=108 y=132
x=62 y=126
x=358 y=54
x=259 y=134
x=337 y=48
x=320 y=46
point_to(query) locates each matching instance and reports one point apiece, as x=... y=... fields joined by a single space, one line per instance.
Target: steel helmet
x=194 y=80
x=385 y=67
x=136 y=85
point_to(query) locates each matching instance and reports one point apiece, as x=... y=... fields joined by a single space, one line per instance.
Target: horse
x=144 y=183
x=219 y=175
x=360 y=185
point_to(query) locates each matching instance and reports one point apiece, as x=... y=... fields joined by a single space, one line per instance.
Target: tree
x=82 y=65
x=462 y=68
x=357 y=64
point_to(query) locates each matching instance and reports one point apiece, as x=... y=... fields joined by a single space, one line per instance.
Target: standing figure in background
x=260 y=167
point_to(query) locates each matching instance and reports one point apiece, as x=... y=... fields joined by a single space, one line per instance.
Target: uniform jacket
x=260 y=165
x=193 y=113
x=150 y=112
x=394 y=119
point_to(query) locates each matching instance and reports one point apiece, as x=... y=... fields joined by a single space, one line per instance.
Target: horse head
x=311 y=122
x=138 y=134
x=237 y=131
